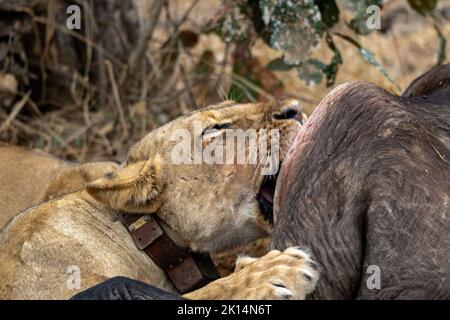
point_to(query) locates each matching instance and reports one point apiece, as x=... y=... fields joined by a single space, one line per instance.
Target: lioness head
x=207 y=174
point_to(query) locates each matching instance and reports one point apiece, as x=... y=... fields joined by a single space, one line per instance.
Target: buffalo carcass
x=366 y=187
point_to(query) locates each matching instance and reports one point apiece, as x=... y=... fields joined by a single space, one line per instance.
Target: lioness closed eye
x=206 y=207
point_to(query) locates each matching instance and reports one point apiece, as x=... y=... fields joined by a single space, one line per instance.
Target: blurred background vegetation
x=89 y=94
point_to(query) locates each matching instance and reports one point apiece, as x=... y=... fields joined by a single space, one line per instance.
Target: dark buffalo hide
x=366 y=187
x=122 y=288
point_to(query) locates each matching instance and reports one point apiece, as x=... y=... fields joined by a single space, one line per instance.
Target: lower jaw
x=265 y=197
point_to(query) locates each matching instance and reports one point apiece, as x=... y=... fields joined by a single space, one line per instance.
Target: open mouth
x=265 y=196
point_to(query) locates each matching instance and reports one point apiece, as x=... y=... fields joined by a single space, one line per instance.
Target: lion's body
x=43 y=245
x=29 y=177
x=24 y=178
x=203 y=207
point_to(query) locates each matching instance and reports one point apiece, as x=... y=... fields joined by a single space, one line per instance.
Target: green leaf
x=332 y=69
x=234 y=26
x=279 y=64
x=442 y=45
x=235 y=94
x=311 y=71
x=368 y=56
x=295 y=27
x=359 y=22
x=329 y=11
x=423 y=6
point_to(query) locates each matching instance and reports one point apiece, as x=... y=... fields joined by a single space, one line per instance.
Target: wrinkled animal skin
x=366 y=185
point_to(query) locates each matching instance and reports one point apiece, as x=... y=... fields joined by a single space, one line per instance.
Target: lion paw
x=290 y=274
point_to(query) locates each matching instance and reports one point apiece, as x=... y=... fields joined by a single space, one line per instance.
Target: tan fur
x=226 y=261
x=29 y=177
x=276 y=276
x=204 y=207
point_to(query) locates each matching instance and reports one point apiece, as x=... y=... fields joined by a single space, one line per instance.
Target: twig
x=180 y=22
x=188 y=86
x=63 y=144
x=26 y=128
x=168 y=83
x=223 y=64
x=82 y=38
x=89 y=34
x=86 y=114
x=186 y=15
x=77 y=134
x=15 y=111
x=116 y=95
x=49 y=27
x=159 y=100
x=145 y=36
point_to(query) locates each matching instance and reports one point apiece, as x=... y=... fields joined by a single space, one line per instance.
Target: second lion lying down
x=206 y=208
x=29 y=177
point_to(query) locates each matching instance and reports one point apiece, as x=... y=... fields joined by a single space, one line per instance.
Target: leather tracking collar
x=188 y=271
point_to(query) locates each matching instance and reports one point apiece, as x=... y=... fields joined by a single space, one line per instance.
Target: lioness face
x=207 y=174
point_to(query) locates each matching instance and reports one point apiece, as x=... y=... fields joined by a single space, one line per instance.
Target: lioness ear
x=134 y=188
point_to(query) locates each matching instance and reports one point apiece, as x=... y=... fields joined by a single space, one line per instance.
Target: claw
x=285 y=293
x=298 y=253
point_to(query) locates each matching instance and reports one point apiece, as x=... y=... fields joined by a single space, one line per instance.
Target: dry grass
x=98 y=109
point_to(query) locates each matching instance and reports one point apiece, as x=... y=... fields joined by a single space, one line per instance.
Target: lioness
x=29 y=177
x=229 y=204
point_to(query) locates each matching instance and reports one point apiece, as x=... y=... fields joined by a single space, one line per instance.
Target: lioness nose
x=290 y=110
